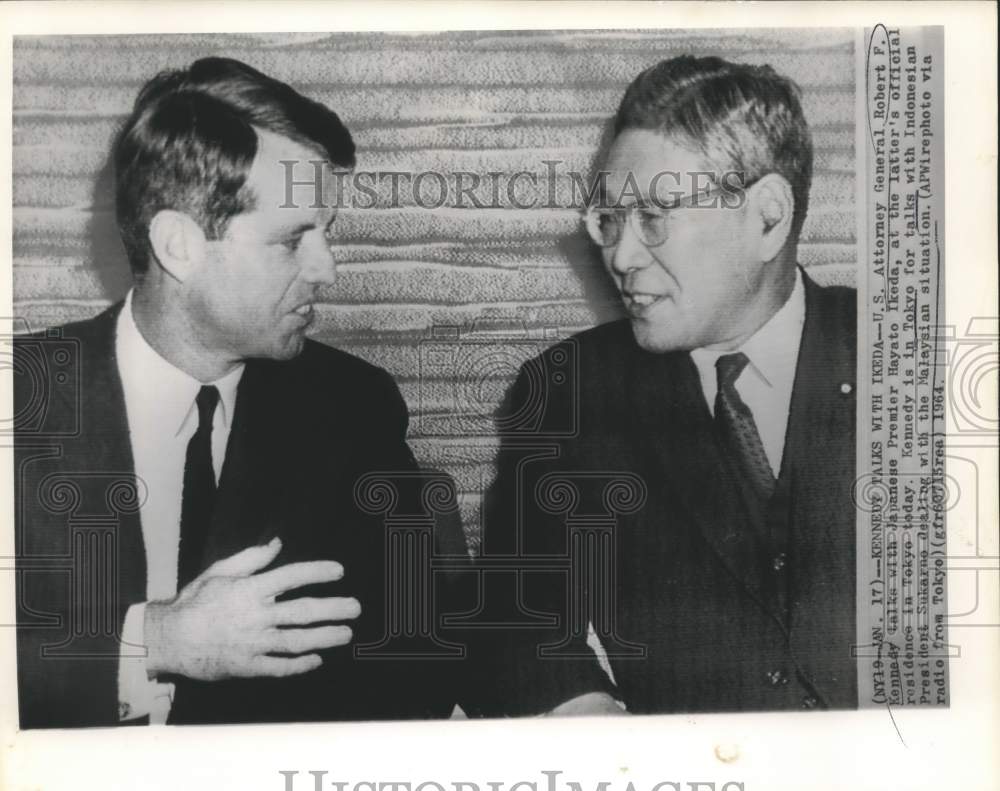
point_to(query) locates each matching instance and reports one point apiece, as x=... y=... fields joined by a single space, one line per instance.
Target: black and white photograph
x=549 y=375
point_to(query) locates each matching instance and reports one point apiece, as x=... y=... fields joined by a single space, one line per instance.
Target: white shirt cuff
x=138 y=695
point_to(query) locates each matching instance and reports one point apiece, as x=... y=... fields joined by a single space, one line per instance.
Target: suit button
x=809 y=702
x=779 y=561
x=777 y=678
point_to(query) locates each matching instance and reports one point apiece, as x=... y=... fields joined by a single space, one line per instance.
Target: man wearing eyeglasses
x=728 y=391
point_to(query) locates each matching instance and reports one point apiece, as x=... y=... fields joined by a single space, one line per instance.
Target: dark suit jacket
x=702 y=605
x=304 y=434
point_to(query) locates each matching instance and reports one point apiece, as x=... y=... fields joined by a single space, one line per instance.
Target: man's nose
x=630 y=252
x=321 y=267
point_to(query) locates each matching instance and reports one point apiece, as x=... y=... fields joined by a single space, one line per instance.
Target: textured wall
x=509 y=279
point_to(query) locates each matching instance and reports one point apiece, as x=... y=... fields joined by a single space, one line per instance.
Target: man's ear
x=774 y=205
x=178 y=243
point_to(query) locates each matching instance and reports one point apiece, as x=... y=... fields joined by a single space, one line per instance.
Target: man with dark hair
x=725 y=400
x=201 y=477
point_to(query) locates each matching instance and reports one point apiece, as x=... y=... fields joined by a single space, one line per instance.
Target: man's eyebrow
x=298 y=230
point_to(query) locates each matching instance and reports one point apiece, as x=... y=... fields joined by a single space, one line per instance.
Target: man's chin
x=654 y=338
x=288 y=348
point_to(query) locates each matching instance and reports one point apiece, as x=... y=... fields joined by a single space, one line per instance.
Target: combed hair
x=741 y=118
x=189 y=143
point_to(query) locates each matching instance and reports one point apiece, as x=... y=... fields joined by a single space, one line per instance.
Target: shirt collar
x=156 y=392
x=773 y=350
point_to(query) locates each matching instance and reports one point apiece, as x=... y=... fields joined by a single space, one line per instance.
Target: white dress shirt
x=162 y=418
x=766 y=383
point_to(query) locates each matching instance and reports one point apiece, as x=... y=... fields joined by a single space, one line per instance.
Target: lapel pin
x=846 y=388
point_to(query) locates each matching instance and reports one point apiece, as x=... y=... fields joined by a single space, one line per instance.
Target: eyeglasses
x=650 y=222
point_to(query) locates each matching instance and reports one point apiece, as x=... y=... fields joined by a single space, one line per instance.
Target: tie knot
x=729 y=367
x=207 y=400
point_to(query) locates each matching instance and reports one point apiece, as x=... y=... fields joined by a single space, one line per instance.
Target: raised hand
x=225 y=623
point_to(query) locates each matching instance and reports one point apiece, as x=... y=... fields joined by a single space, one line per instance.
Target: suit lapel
x=269 y=478
x=685 y=459
x=821 y=416
x=254 y=472
x=822 y=427
x=104 y=446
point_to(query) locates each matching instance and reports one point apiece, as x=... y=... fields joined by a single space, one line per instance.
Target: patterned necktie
x=736 y=425
x=198 y=498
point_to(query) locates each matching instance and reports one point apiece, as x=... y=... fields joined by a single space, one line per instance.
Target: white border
x=954 y=749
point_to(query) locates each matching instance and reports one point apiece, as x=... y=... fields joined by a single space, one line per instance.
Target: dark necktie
x=737 y=427
x=198 y=498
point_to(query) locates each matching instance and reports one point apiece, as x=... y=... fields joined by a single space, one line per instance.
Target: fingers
x=279 y=667
x=296 y=575
x=306 y=610
x=300 y=641
x=245 y=563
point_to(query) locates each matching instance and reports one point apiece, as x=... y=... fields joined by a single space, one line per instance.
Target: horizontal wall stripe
x=383 y=283
x=76 y=252
x=58 y=129
x=402 y=66
x=535 y=41
x=415 y=225
x=548 y=162
x=425 y=104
